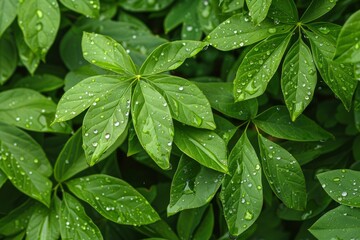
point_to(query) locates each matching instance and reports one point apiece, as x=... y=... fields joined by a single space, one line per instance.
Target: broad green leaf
x=348 y=42
x=3 y=178
x=316 y=9
x=85 y=7
x=191 y=28
x=258 y=9
x=187 y=103
x=8 y=58
x=176 y=14
x=206 y=227
x=342 y=186
x=284 y=11
x=209 y=14
x=276 y=122
x=221 y=98
x=192 y=186
x=341 y=223
x=241 y=193
x=8 y=13
x=283 y=173
x=170 y=56
x=225 y=129
x=74 y=223
x=39 y=21
x=204 y=146
x=105 y=122
x=145 y=5
x=153 y=124
x=158 y=229
x=41 y=83
x=298 y=80
x=238 y=31
x=30 y=110
x=25 y=164
x=258 y=67
x=188 y=221
x=113 y=198
x=228 y=6
x=71 y=159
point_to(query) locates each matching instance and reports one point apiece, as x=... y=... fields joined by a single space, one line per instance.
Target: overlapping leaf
x=284 y=11
x=8 y=58
x=258 y=9
x=8 y=14
x=85 y=7
x=316 y=9
x=145 y=5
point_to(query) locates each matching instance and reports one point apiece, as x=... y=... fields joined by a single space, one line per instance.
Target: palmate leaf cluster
x=205 y=119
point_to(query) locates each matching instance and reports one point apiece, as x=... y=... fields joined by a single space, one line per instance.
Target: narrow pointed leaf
x=8 y=14
x=85 y=7
x=241 y=193
x=8 y=58
x=284 y=11
x=258 y=9
x=258 y=67
x=316 y=9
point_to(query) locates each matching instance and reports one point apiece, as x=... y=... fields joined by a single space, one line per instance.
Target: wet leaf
x=258 y=9
x=316 y=9
x=40 y=83
x=8 y=58
x=283 y=11
x=85 y=7
x=145 y=5
x=8 y=14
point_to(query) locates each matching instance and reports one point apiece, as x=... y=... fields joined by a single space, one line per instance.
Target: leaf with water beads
x=258 y=67
x=85 y=7
x=258 y=9
x=316 y=9
x=241 y=194
x=284 y=11
x=114 y=199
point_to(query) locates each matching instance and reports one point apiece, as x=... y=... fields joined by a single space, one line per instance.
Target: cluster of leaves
x=224 y=125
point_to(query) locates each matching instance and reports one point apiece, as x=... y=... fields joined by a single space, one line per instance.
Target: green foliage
x=179 y=119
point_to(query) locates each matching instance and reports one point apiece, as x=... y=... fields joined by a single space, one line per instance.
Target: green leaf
x=284 y=11
x=209 y=14
x=170 y=56
x=30 y=110
x=145 y=5
x=41 y=83
x=342 y=186
x=74 y=223
x=106 y=53
x=152 y=122
x=113 y=198
x=25 y=164
x=228 y=6
x=192 y=186
x=225 y=129
x=39 y=21
x=85 y=7
x=238 y=31
x=283 y=173
x=8 y=58
x=188 y=221
x=204 y=146
x=298 y=80
x=241 y=193
x=187 y=103
x=342 y=223
x=258 y=9
x=316 y=9
x=8 y=14
x=206 y=227
x=3 y=178
x=348 y=42
x=258 y=67
x=176 y=14
x=276 y=122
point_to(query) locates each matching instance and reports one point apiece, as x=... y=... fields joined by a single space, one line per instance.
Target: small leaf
x=8 y=57
x=284 y=11
x=145 y=5
x=283 y=173
x=241 y=193
x=74 y=223
x=8 y=14
x=153 y=124
x=276 y=122
x=113 y=198
x=204 y=146
x=342 y=186
x=85 y=7
x=316 y=9
x=258 y=9
x=258 y=67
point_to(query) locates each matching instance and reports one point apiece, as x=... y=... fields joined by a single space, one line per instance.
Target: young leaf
x=74 y=223
x=284 y=11
x=283 y=173
x=170 y=56
x=342 y=222
x=258 y=67
x=258 y=9
x=298 y=80
x=193 y=185
x=187 y=103
x=241 y=193
x=113 y=198
x=85 y=7
x=153 y=124
x=8 y=58
x=316 y=9
x=106 y=53
x=238 y=31
x=276 y=122
x=204 y=146
x=342 y=186
x=39 y=21
x=145 y=5
x=8 y=14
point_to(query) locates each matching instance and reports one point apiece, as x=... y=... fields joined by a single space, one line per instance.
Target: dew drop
x=248 y=216
x=107 y=136
x=272 y=30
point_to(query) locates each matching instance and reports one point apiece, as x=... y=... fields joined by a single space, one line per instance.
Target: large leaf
x=316 y=9
x=106 y=53
x=145 y=5
x=298 y=80
x=258 y=9
x=276 y=122
x=239 y=31
x=170 y=56
x=8 y=14
x=283 y=11
x=193 y=185
x=113 y=198
x=205 y=146
x=342 y=186
x=258 y=67
x=283 y=173
x=187 y=103
x=39 y=20
x=241 y=192
x=153 y=124
x=8 y=58
x=85 y=7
